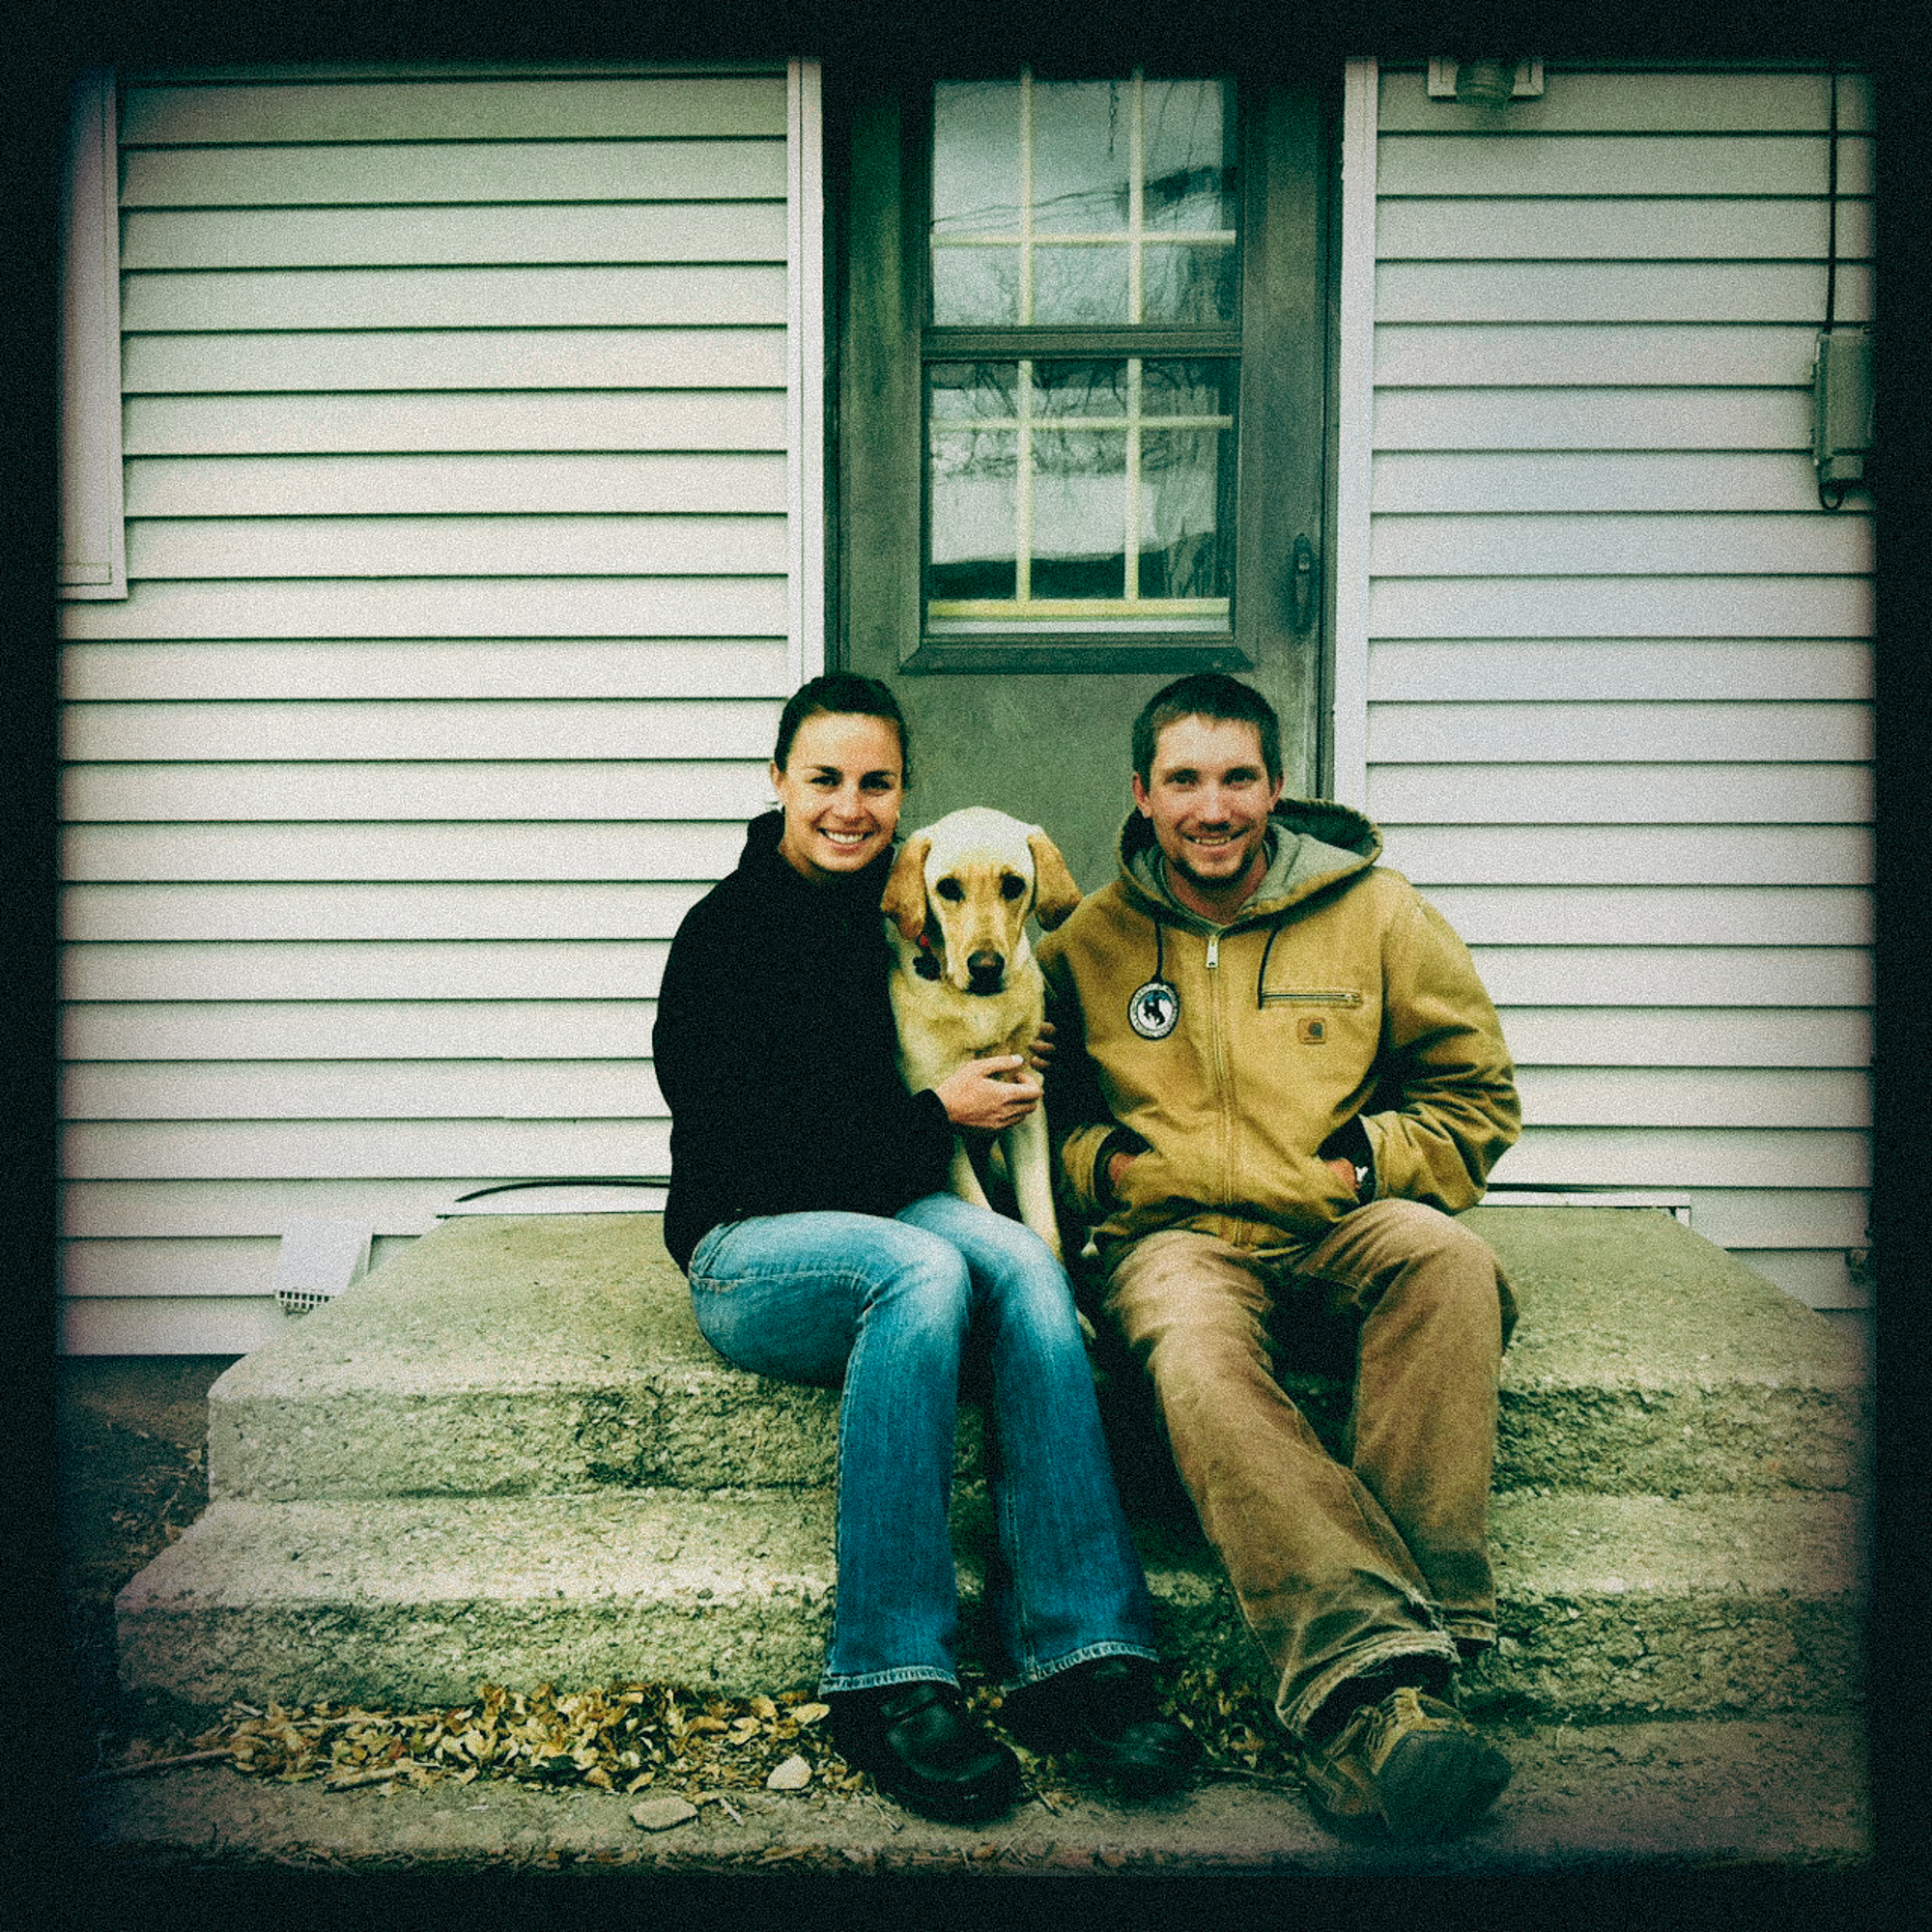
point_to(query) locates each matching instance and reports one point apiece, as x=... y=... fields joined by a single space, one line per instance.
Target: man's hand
x=989 y=1094
x=1346 y=1170
x=1039 y=1055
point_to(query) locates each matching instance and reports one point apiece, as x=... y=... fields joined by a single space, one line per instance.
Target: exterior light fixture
x=1484 y=83
x=1487 y=82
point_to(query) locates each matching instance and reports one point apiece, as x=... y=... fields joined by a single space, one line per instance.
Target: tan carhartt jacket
x=1337 y=995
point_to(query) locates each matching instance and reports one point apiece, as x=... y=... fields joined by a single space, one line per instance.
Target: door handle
x=1301 y=584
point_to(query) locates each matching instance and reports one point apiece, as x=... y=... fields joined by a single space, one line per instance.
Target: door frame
x=874 y=479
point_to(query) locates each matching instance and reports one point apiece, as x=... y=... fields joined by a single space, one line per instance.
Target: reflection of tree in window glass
x=1186 y=529
x=1039 y=472
x=1079 y=529
x=973 y=468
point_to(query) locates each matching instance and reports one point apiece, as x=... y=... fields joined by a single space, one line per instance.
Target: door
x=1081 y=430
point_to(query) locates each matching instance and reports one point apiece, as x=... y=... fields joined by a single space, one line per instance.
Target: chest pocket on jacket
x=1318 y=1012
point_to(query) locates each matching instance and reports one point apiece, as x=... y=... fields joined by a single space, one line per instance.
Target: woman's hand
x=989 y=1094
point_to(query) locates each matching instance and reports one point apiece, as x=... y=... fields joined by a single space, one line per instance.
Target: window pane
x=1186 y=488
x=1185 y=539
x=972 y=450
x=976 y=284
x=1188 y=388
x=975 y=515
x=1080 y=389
x=976 y=158
x=1188 y=284
x=972 y=393
x=1079 y=513
x=1082 y=153
x=1082 y=285
x=1188 y=173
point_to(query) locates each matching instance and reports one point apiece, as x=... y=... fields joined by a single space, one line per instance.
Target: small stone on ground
x=660 y=1814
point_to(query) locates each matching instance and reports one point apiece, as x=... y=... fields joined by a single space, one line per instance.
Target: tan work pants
x=1336 y=1568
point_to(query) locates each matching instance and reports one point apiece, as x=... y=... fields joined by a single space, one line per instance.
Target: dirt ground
x=1775 y=1796
x=132 y=1475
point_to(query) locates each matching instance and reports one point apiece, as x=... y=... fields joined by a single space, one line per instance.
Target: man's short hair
x=1211 y=695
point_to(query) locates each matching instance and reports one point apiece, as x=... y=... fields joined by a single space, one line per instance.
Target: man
x=1279 y=1077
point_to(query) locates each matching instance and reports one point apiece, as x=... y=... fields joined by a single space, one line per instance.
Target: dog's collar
x=926 y=962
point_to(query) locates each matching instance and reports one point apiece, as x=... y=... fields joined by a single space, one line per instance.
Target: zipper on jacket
x=1218 y=1040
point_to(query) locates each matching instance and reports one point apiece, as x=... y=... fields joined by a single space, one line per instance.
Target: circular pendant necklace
x=1153 y=1007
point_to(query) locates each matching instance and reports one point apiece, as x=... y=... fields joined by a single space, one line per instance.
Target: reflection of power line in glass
x=1113 y=201
x=1110 y=205
x=995 y=218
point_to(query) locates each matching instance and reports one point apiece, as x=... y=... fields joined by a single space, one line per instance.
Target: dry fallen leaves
x=667 y=1739
x=625 y=1738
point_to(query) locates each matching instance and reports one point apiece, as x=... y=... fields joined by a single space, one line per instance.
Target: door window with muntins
x=1071 y=484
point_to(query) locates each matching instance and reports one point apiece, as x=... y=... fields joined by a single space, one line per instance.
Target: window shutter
x=93 y=551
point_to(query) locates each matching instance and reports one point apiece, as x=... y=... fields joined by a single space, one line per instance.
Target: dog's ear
x=1054 y=893
x=904 y=900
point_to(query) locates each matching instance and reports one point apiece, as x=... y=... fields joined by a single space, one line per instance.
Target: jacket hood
x=1316 y=843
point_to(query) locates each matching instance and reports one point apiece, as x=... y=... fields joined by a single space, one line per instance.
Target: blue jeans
x=895 y=1306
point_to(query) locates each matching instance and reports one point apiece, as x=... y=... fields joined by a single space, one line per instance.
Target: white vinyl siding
x=1614 y=660
x=468 y=509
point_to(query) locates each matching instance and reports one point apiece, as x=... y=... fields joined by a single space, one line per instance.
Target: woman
x=807 y=1207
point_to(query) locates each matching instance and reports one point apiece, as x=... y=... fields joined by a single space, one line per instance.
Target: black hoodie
x=775 y=1048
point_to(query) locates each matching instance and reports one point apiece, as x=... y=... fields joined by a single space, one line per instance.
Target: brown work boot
x=1411 y=1760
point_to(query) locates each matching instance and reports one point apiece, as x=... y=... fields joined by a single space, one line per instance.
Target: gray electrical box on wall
x=1841 y=420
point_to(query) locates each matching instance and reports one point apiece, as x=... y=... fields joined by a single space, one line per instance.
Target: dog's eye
x=1011 y=884
x=949 y=889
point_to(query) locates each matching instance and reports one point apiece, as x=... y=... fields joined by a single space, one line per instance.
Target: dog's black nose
x=983 y=972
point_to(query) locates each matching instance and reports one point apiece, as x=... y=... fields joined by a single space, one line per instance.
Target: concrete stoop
x=509 y=1455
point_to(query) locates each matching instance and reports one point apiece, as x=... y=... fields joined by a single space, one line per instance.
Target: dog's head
x=976 y=874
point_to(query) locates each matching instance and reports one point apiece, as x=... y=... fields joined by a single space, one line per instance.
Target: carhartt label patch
x=1312 y=1033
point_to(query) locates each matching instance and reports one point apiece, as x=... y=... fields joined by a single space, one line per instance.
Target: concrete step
x=1613 y=1607
x=555 y=1355
x=1646 y=1359
x=1599 y=1810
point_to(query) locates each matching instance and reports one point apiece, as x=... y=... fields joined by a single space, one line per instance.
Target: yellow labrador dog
x=964 y=982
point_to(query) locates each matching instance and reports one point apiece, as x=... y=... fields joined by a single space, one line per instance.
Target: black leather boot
x=923 y=1749
x=1106 y=1712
